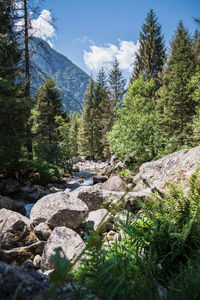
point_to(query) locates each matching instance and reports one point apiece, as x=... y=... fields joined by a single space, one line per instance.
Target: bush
x=47 y=172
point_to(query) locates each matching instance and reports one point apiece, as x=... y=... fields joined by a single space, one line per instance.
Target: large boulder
x=173 y=168
x=91 y=195
x=59 y=210
x=15 y=230
x=99 y=219
x=13 y=205
x=10 y=220
x=70 y=242
x=29 y=283
x=114 y=183
x=95 y=197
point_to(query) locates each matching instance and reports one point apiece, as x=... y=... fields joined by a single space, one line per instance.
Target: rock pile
x=60 y=219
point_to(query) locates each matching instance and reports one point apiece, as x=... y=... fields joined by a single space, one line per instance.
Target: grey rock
x=10 y=220
x=94 y=196
x=37 y=262
x=42 y=231
x=30 y=284
x=114 y=183
x=100 y=219
x=13 y=205
x=59 y=210
x=174 y=168
x=70 y=242
x=91 y=195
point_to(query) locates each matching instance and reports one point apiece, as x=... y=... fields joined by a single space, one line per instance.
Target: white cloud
x=98 y=57
x=42 y=26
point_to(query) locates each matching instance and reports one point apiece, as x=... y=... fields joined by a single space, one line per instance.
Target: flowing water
x=72 y=184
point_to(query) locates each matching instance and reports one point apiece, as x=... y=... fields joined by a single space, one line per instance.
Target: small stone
x=28 y=264
x=37 y=262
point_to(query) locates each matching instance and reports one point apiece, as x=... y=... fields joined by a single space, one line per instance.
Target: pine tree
x=116 y=83
x=48 y=106
x=151 y=55
x=13 y=106
x=178 y=106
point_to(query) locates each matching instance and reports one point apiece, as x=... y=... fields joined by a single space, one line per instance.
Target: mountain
x=71 y=80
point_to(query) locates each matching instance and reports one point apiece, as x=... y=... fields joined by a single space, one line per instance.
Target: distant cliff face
x=70 y=79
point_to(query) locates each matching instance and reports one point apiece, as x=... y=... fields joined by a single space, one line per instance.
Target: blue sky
x=91 y=32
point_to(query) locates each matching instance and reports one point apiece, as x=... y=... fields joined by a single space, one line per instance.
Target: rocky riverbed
x=60 y=218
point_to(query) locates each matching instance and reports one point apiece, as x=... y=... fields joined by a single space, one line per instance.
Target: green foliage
x=50 y=153
x=151 y=55
x=14 y=108
x=176 y=105
x=73 y=133
x=153 y=251
x=116 y=83
x=46 y=172
x=48 y=106
x=86 y=135
x=97 y=119
x=136 y=128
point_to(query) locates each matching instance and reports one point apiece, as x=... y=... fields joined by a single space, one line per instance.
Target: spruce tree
x=151 y=55
x=101 y=105
x=86 y=131
x=48 y=106
x=73 y=133
x=178 y=106
x=13 y=106
x=116 y=83
x=104 y=115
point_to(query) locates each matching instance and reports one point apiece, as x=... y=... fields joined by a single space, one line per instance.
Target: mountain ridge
x=71 y=80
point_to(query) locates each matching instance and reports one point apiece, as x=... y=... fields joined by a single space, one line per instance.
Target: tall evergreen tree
x=86 y=132
x=102 y=112
x=73 y=133
x=13 y=106
x=116 y=83
x=48 y=106
x=196 y=47
x=178 y=106
x=151 y=55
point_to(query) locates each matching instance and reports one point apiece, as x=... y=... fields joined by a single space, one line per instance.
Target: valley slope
x=71 y=80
